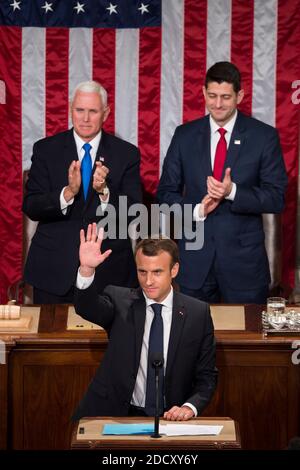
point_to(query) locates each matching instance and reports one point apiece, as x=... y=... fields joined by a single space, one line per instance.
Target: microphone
x=157 y=361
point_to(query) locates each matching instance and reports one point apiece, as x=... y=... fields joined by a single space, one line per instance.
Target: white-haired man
x=74 y=175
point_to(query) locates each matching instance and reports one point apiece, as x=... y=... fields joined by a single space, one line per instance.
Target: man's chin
x=151 y=293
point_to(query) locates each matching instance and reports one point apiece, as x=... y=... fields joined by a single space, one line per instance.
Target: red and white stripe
x=154 y=79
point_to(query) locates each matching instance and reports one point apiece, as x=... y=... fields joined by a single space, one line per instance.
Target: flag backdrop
x=151 y=56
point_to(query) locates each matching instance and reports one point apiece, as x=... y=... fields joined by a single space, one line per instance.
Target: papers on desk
x=167 y=429
x=189 y=430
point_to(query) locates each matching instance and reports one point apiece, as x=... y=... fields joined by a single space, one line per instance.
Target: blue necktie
x=86 y=168
x=156 y=346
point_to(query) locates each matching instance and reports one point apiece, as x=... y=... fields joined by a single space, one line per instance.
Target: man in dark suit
x=75 y=176
x=120 y=386
x=229 y=167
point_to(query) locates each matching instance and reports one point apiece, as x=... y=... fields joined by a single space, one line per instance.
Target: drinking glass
x=276 y=305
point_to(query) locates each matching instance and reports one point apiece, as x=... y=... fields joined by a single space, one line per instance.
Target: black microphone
x=157 y=361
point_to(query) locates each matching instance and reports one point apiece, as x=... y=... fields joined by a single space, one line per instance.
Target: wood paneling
x=49 y=372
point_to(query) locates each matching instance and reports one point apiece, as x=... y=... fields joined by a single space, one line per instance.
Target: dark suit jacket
x=234 y=231
x=190 y=369
x=53 y=257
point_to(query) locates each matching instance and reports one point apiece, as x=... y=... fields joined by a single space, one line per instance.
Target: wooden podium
x=87 y=435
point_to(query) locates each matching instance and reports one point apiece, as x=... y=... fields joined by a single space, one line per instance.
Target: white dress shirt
x=198 y=213
x=80 y=152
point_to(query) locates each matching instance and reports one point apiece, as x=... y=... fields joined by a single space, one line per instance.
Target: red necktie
x=220 y=156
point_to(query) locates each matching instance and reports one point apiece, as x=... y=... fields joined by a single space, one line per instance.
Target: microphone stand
x=157 y=363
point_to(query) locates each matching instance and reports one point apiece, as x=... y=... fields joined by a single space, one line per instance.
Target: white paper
x=189 y=430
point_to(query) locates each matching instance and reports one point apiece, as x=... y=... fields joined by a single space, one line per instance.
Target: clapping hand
x=99 y=177
x=219 y=189
x=90 y=250
x=209 y=204
x=74 y=181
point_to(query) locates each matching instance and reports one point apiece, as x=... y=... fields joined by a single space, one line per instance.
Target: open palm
x=90 y=247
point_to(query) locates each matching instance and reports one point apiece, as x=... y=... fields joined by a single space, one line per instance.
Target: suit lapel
x=101 y=155
x=203 y=148
x=139 y=316
x=70 y=154
x=237 y=141
x=70 y=151
x=178 y=319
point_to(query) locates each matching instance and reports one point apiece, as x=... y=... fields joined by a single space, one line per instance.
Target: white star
x=112 y=8
x=79 y=7
x=144 y=8
x=15 y=5
x=47 y=7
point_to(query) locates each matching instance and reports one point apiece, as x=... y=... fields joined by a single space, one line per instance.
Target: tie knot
x=87 y=147
x=222 y=131
x=156 y=309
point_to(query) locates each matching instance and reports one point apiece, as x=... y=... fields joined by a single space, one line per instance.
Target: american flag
x=151 y=56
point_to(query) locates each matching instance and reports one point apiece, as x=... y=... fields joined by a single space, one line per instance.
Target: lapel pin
x=101 y=159
x=237 y=142
x=181 y=313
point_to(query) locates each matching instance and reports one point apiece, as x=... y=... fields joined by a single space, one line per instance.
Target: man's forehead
x=158 y=259
x=222 y=87
x=89 y=99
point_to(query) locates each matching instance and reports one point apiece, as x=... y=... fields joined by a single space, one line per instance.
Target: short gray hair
x=92 y=87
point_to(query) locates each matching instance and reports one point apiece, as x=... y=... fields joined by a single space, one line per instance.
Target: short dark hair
x=224 y=72
x=154 y=246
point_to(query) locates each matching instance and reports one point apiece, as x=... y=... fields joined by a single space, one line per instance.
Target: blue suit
x=233 y=232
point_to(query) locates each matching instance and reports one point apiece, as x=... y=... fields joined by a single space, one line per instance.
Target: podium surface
x=87 y=435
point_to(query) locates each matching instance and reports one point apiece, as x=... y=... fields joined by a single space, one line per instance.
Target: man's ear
x=106 y=113
x=174 y=270
x=240 y=96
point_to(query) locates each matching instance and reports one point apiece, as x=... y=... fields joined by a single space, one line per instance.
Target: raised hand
x=90 y=250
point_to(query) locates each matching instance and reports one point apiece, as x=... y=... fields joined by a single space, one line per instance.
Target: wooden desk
x=92 y=439
x=47 y=373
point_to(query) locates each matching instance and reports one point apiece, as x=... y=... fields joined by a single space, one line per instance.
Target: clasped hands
x=74 y=179
x=216 y=191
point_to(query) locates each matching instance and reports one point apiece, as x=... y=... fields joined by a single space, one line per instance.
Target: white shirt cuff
x=83 y=282
x=104 y=203
x=198 y=213
x=189 y=405
x=63 y=203
x=232 y=193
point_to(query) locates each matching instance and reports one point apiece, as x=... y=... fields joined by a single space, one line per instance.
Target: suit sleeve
x=41 y=202
x=267 y=196
x=205 y=373
x=130 y=184
x=93 y=307
x=170 y=188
